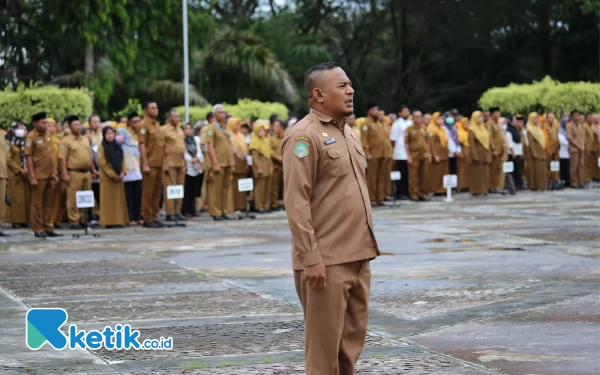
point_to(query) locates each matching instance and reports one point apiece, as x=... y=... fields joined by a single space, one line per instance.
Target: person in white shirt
x=401 y=165
x=515 y=128
x=453 y=143
x=563 y=153
x=193 y=172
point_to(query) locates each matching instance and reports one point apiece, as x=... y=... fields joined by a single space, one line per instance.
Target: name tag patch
x=305 y=139
x=330 y=141
x=39 y=141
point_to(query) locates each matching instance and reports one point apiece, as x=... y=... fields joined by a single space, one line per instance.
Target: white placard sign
x=85 y=199
x=395 y=176
x=249 y=160
x=245 y=184
x=554 y=166
x=599 y=162
x=508 y=167
x=175 y=192
x=450 y=181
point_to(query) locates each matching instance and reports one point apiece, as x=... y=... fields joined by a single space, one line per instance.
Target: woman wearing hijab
x=480 y=155
x=19 y=189
x=240 y=170
x=113 y=205
x=563 y=153
x=438 y=146
x=536 y=152
x=464 y=158
x=193 y=172
x=261 y=165
x=133 y=174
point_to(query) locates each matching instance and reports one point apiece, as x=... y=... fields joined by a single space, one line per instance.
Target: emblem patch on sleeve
x=28 y=143
x=365 y=128
x=301 y=149
x=143 y=131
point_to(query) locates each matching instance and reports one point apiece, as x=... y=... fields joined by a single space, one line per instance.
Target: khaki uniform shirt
x=552 y=146
x=576 y=133
x=151 y=136
x=220 y=141
x=375 y=138
x=417 y=138
x=97 y=137
x=4 y=148
x=275 y=143
x=41 y=149
x=204 y=147
x=589 y=136
x=76 y=152
x=497 y=137
x=174 y=145
x=325 y=193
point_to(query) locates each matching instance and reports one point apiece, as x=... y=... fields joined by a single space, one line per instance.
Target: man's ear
x=318 y=95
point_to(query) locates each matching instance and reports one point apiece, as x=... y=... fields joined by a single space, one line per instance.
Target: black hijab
x=512 y=129
x=112 y=151
x=190 y=143
x=11 y=136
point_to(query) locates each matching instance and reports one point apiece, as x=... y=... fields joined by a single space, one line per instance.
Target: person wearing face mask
x=19 y=190
x=113 y=206
x=453 y=143
x=76 y=170
x=3 y=177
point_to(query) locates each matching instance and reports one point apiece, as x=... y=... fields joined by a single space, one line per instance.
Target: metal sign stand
x=177 y=224
x=395 y=176
x=85 y=233
x=450 y=181
x=247 y=213
x=175 y=192
x=246 y=185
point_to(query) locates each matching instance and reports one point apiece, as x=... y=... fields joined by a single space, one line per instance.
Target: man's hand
x=66 y=179
x=56 y=179
x=217 y=168
x=115 y=178
x=146 y=168
x=315 y=275
x=24 y=172
x=369 y=157
x=121 y=175
x=259 y=172
x=33 y=181
x=409 y=160
x=437 y=159
x=166 y=169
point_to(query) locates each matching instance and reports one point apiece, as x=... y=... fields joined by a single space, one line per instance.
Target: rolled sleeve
x=299 y=177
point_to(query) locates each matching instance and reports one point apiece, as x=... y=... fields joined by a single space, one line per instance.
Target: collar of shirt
x=325 y=118
x=216 y=123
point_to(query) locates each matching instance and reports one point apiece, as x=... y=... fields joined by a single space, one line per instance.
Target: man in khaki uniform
x=325 y=185
x=76 y=166
x=97 y=137
x=276 y=178
x=207 y=165
x=174 y=164
x=4 y=147
x=151 y=144
x=375 y=139
x=576 y=137
x=416 y=142
x=552 y=146
x=588 y=162
x=496 y=171
x=220 y=155
x=43 y=175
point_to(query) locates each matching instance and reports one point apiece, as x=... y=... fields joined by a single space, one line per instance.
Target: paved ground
x=497 y=285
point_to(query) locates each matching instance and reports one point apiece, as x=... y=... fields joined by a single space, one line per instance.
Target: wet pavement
x=495 y=285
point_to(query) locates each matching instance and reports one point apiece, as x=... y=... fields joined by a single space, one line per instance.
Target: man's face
x=94 y=123
x=417 y=118
x=404 y=113
x=220 y=115
x=551 y=118
x=174 y=118
x=245 y=131
x=519 y=123
x=588 y=118
x=152 y=110
x=381 y=115
x=337 y=94
x=75 y=127
x=351 y=120
x=496 y=115
x=426 y=119
x=134 y=123
x=374 y=113
x=277 y=128
x=575 y=117
x=486 y=116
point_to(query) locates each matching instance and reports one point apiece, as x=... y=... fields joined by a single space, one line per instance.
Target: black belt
x=78 y=170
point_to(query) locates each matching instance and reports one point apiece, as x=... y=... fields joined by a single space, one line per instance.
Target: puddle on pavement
x=478 y=248
x=440 y=240
x=507 y=248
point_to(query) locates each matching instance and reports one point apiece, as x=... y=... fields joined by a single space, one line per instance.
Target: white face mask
x=503 y=127
x=19 y=133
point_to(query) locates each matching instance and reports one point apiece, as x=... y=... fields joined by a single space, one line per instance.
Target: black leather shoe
x=227 y=217
x=159 y=224
x=170 y=218
x=53 y=234
x=77 y=226
x=424 y=199
x=40 y=235
x=218 y=218
x=152 y=224
x=181 y=217
x=2 y=234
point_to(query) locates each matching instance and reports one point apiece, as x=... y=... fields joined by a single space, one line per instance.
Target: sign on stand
x=508 y=167
x=245 y=184
x=395 y=176
x=249 y=160
x=554 y=166
x=450 y=181
x=175 y=192
x=85 y=199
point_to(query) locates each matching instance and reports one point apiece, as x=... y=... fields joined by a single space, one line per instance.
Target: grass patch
x=377 y=356
x=200 y=273
x=267 y=360
x=193 y=365
x=28 y=369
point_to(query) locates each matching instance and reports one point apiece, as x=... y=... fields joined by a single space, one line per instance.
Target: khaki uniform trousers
x=276 y=180
x=80 y=181
x=262 y=192
x=151 y=192
x=576 y=168
x=176 y=176
x=496 y=173
x=59 y=202
x=592 y=161
x=2 y=200
x=336 y=318
x=41 y=205
x=218 y=194
x=388 y=177
x=417 y=178
x=376 y=169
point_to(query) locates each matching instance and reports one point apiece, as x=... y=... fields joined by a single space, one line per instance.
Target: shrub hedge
x=544 y=96
x=244 y=108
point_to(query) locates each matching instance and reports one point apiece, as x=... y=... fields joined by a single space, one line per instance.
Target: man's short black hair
x=132 y=115
x=147 y=103
x=309 y=77
x=72 y=119
x=403 y=106
x=119 y=117
x=246 y=126
x=574 y=112
x=209 y=116
x=274 y=117
x=494 y=109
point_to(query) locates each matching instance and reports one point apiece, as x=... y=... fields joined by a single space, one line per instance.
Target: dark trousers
x=517 y=170
x=96 y=190
x=565 y=171
x=133 y=195
x=452 y=165
x=402 y=183
x=191 y=190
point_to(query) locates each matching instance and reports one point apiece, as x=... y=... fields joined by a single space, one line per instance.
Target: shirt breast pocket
x=338 y=163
